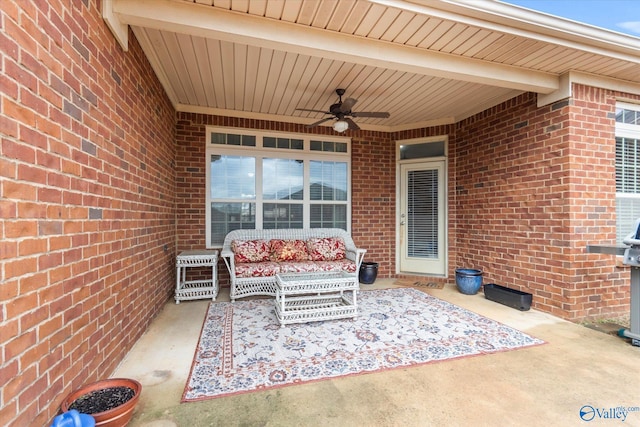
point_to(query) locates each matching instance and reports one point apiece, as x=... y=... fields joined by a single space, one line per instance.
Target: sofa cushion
x=250 y=250
x=299 y=267
x=345 y=265
x=326 y=248
x=288 y=250
x=257 y=269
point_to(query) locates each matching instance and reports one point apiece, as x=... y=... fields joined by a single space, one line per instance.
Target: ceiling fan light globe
x=340 y=126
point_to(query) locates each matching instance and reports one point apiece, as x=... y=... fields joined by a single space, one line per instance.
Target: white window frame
x=626 y=130
x=260 y=152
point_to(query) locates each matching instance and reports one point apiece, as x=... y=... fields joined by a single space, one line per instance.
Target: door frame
x=441 y=160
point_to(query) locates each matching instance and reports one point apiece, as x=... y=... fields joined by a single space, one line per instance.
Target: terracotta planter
x=116 y=417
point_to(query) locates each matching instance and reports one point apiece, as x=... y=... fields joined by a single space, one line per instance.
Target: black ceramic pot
x=368 y=272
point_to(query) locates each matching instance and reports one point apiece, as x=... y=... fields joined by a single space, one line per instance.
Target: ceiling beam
x=215 y=23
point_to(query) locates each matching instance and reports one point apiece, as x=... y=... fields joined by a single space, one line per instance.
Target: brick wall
x=534 y=186
x=529 y=188
x=373 y=194
x=601 y=288
x=87 y=238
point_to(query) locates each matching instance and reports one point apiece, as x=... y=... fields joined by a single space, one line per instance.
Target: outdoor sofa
x=254 y=257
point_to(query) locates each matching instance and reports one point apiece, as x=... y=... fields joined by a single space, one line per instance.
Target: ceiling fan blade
x=313 y=111
x=352 y=124
x=318 y=122
x=348 y=103
x=380 y=114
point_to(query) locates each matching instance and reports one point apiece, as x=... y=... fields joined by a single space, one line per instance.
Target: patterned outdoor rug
x=242 y=347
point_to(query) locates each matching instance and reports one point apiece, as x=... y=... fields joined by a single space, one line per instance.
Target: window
x=270 y=180
x=627 y=168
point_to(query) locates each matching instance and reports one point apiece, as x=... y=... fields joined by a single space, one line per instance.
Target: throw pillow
x=326 y=248
x=250 y=250
x=288 y=250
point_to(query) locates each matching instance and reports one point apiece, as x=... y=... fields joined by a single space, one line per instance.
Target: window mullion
x=306 y=203
x=259 y=192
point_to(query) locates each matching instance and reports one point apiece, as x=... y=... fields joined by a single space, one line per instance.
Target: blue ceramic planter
x=468 y=280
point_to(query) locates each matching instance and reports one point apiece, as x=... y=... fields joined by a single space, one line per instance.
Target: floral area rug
x=242 y=347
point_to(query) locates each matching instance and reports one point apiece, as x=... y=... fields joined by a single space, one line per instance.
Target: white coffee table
x=308 y=297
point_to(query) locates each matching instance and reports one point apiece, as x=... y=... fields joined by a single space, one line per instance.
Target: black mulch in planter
x=102 y=400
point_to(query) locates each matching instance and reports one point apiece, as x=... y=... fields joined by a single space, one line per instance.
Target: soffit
x=426 y=62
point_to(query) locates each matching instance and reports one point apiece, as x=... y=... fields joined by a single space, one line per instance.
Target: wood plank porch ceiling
x=426 y=62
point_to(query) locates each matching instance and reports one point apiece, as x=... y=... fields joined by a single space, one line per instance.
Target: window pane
x=218 y=138
x=282 y=215
x=282 y=179
x=423 y=214
x=420 y=151
x=328 y=180
x=328 y=146
x=627 y=170
x=628 y=165
x=628 y=211
x=231 y=216
x=329 y=216
x=630 y=117
x=249 y=140
x=233 y=139
x=233 y=177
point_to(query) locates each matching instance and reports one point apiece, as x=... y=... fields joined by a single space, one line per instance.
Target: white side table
x=196 y=289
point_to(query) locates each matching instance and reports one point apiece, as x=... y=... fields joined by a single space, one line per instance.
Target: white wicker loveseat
x=255 y=274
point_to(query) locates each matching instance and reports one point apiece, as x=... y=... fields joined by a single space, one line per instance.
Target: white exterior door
x=422 y=218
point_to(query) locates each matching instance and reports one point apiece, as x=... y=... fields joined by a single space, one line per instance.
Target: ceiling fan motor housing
x=335 y=110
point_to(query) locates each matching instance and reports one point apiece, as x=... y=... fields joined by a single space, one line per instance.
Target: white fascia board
x=519 y=21
x=215 y=23
x=120 y=31
x=605 y=82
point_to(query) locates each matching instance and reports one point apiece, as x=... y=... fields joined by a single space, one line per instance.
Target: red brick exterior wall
x=87 y=185
x=101 y=186
x=534 y=186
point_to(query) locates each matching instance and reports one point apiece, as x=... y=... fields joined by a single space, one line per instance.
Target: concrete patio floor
x=543 y=385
